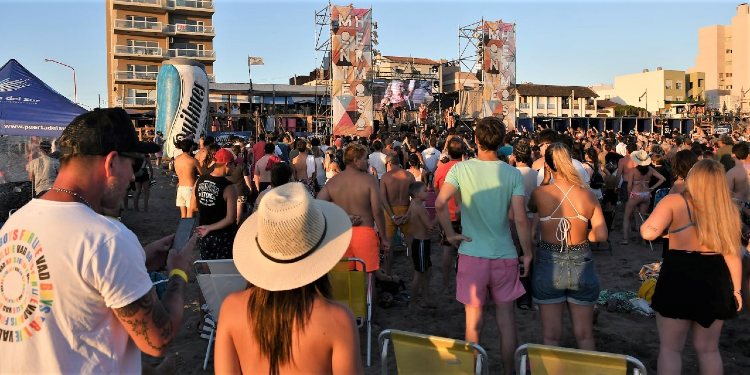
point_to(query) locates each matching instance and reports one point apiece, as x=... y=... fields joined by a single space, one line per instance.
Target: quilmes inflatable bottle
x=181 y=101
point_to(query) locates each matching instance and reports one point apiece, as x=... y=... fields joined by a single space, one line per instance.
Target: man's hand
x=156 y=253
x=182 y=258
x=526 y=261
x=202 y=231
x=456 y=239
x=386 y=247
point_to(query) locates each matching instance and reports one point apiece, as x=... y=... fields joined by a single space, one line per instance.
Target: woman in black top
x=216 y=200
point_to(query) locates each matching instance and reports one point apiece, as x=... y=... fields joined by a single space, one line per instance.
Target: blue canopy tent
x=29 y=107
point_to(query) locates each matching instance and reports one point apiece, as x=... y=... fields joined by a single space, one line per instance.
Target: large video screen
x=406 y=94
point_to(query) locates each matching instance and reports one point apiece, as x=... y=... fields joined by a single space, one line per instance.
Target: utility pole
x=75 y=86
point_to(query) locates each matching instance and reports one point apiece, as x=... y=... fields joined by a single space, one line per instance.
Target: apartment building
x=724 y=55
x=141 y=34
x=654 y=90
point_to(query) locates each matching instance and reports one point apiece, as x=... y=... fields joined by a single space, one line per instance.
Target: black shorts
x=456 y=228
x=217 y=244
x=143 y=177
x=610 y=196
x=420 y=254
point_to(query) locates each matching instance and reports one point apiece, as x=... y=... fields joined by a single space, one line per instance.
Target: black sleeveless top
x=211 y=204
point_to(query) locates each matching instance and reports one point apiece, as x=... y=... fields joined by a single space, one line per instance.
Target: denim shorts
x=567 y=276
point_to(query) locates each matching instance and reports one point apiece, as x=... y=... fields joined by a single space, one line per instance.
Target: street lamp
x=75 y=87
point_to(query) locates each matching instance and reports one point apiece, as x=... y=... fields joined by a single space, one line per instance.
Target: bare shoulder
x=337 y=313
x=236 y=301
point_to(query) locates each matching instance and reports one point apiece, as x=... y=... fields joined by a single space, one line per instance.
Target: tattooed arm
x=152 y=324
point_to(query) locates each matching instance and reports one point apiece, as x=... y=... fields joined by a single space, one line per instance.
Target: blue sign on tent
x=29 y=107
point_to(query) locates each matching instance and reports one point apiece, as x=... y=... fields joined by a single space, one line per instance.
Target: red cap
x=223 y=156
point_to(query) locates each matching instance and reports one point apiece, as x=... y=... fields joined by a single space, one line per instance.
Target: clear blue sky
x=559 y=42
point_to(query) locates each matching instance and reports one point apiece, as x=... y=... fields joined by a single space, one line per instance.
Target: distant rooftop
x=414 y=60
x=529 y=89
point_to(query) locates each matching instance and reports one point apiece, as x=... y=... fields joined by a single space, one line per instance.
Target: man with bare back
x=187 y=168
x=357 y=192
x=394 y=192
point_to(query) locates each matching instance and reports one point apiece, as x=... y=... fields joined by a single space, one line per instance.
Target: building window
x=668 y=84
x=679 y=98
x=700 y=82
x=729 y=51
x=607 y=97
x=729 y=87
x=668 y=98
x=721 y=76
x=678 y=85
x=729 y=75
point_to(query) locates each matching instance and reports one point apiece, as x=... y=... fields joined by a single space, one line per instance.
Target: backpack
x=597 y=180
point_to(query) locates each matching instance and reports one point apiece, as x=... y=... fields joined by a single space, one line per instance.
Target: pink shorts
x=477 y=276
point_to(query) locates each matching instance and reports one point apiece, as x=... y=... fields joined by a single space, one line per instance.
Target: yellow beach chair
x=354 y=289
x=553 y=360
x=424 y=354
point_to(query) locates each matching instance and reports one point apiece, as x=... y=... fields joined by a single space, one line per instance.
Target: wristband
x=180 y=273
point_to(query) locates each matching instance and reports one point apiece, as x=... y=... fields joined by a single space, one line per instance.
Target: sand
x=615 y=332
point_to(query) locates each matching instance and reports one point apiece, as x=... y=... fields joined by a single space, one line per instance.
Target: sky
x=558 y=42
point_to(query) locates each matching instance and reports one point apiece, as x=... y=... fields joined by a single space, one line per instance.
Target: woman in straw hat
x=699 y=284
x=286 y=321
x=639 y=191
x=564 y=274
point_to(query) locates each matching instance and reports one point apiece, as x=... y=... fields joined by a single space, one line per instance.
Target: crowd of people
x=515 y=216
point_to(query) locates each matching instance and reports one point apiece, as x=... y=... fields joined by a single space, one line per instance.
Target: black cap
x=100 y=132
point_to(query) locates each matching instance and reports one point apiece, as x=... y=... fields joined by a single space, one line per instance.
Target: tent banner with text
x=351 y=57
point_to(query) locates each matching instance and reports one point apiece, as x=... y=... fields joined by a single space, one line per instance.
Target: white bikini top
x=563 y=227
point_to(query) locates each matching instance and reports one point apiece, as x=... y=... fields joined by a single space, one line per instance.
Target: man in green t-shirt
x=487 y=260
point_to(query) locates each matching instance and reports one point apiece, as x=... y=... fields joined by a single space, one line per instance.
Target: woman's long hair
x=717 y=220
x=275 y=315
x=557 y=156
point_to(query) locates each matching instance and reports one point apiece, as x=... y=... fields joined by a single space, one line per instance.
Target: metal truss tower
x=323 y=70
x=471 y=56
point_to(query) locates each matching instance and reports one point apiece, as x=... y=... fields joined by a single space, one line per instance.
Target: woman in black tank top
x=217 y=208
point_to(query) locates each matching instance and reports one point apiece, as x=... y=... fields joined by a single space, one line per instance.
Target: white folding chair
x=217 y=279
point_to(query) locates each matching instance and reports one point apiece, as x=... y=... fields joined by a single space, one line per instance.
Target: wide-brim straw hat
x=292 y=240
x=641 y=157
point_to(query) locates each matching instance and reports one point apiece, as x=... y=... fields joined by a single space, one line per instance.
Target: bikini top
x=690 y=217
x=563 y=227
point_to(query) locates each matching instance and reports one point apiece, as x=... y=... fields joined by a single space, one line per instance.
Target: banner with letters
x=499 y=70
x=351 y=58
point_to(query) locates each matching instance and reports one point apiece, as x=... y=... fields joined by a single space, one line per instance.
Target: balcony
x=524 y=106
x=198 y=54
x=130 y=102
x=590 y=107
x=551 y=106
x=129 y=76
x=143 y=5
x=191 y=6
x=141 y=52
x=211 y=78
x=139 y=27
x=181 y=28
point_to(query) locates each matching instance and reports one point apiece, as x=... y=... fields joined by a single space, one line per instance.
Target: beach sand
x=615 y=332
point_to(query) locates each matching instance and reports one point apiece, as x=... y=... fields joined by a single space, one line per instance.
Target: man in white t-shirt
x=77 y=297
x=376 y=160
x=431 y=156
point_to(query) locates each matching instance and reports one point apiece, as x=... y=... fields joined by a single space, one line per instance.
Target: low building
x=555 y=101
x=655 y=90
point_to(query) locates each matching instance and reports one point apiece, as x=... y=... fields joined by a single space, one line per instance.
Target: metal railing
x=138 y=25
x=191 y=29
x=196 y=53
x=195 y=4
x=136 y=76
x=136 y=101
x=139 y=51
x=524 y=106
x=551 y=106
x=139 y=2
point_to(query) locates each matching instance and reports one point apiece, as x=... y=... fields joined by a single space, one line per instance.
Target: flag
x=254 y=60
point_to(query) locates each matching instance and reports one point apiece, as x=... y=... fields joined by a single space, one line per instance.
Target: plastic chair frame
x=480 y=366
x=522 y=354
x=368 y=297
x=197 y=269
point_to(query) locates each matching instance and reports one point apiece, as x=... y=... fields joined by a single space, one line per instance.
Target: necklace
x=74 y=194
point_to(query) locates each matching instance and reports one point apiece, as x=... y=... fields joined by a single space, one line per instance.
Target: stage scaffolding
x=470 y=59
x=323 y=34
